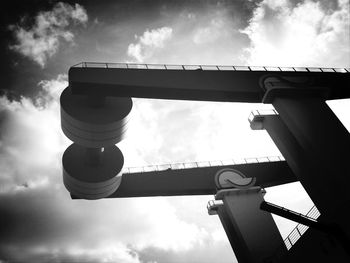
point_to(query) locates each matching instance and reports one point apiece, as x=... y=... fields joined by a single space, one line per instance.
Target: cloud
x=207 y=253
x=210 y=33
x=39 y=222
x=303 y=34
x=205 y=33
x=42 y=40
x=116 y=252
x=149 y=42
x=187 y=131
x=30 y=137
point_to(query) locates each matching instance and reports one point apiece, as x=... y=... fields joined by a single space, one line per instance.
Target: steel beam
x=198 y=181
x=203 y=85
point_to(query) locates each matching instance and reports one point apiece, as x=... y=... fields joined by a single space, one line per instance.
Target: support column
x=239 y=248
x=324 y=144
x=253 y=233
x=314 y=142
x=308 y=172
x=296 y=159
x=92 y=165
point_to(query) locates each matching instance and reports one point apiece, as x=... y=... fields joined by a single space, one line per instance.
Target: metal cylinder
x=94 y=125
x=92 y=165
x=92 y=181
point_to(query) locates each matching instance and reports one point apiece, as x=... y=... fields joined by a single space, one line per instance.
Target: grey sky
x=40 y=223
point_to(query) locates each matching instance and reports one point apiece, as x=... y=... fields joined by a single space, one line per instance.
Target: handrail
x=180 y=166
x=213 y=206
x=109 y=65
x=293 y=237
x=300 y=229
x=255 y=113
x=287 y=213
x=214 y=203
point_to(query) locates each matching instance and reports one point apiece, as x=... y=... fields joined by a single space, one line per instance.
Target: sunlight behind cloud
x=303 y=35
x=32 y=138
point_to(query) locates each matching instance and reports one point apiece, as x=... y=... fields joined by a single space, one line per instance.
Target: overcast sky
x=40 y=40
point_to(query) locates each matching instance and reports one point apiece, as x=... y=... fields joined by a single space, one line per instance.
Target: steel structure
x=313 y=141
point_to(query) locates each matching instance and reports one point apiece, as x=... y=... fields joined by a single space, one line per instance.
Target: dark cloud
x=31 y=216
x=11 y=13
x=11 y=95
x=41 y=39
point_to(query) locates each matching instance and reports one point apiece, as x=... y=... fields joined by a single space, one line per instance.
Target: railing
x=255 y=113
x=213 y=205
x=180 y=166
x=205 y=67
x=300 y=229
x=292 y=238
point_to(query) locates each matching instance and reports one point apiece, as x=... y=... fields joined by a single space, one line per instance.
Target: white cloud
x=168 y=231
x=42 y=40
x=31 y=137
x=32 y=144
x=282 y=34
x=187 y=131
x=210 y=33
x=51 y=90
x=149 y=42
x=115 y=252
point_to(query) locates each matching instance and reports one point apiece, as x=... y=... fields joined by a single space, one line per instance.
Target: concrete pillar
x=239 y=248
x=252 y=232
x=320 y=152
x=296 y=159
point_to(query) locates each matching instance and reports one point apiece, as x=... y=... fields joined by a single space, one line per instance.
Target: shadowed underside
x=198 y=181
x=204 y=83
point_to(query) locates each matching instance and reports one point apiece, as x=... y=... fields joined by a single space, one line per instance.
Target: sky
x=40 y=40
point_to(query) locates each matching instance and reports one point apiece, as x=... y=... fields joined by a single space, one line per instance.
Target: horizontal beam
x=198 y=181
x=203 y=85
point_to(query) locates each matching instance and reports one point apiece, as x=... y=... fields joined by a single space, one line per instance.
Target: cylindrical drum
x=90 y=125
x=88 y=180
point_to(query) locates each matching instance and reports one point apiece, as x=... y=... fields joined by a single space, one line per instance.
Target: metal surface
x=94 y=126
x=92 y=180
x=300 y=229
x=198 y=181
x=291 y=215
x=192 y=82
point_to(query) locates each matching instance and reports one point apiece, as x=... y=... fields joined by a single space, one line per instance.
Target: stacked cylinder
x=92 y=165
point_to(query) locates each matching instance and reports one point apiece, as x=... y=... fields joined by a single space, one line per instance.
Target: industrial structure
x=313 y=142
